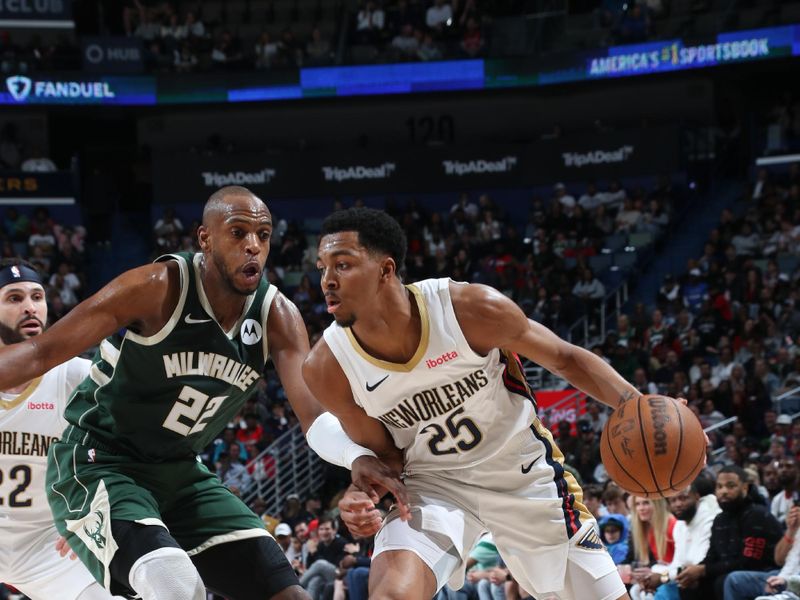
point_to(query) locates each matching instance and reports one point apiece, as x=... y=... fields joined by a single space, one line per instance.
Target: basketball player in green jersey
x=182 y=343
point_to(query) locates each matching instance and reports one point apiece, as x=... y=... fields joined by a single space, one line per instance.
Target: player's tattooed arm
x=626 y=396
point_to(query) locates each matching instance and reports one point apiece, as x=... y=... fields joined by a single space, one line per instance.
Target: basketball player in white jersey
x=435 y=363
x=30 y=420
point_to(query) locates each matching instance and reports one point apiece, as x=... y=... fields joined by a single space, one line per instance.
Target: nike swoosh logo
x=190 y=321
x=525 y=470
x=371 y=388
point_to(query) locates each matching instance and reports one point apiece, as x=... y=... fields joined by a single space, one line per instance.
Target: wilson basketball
x=653 y=446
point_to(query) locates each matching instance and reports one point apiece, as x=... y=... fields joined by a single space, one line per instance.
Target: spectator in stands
x=564 y=198
x=652 y=544
x=67 y=284
x=439 y=16
x=185 y=60
x=695 y=508
x=324 y=554
x=566 y=441
x=743 y=537
x=472 y=38
x=318 y=49
x=596 y=415
x=192 y=27
x=481 y=560
x=722 y=370
x=283 y=535
x=38 y=162
x=614 y=533
x=250 y=435
x=226 y=50
x=629 y=217
x=406 y=43
x=149 y=29
x=788 y=480
x=593 y=500
x=642 y=382
x=787 y=553
x=589 y=287
x=634 y=25
x=355 y=567
x=223 y=444
x=429 y=49
x=746 y=241
x=370 y=22
x=166 y=226
x=669 y=295
x=265 y=51
x=17 y=226
x=232 y=473
x=614 y=499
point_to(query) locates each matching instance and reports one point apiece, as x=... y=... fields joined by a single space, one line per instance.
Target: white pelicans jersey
x=448 y=407
x=29 y=423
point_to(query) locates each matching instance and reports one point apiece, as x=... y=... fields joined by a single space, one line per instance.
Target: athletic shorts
x=531 y=506
x=39 y=571
x=88 y=486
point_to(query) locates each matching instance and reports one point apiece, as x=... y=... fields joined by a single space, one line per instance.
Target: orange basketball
x=653 y=446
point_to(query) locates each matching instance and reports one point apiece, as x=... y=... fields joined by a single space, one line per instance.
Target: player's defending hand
x=62 y=547
x=374 y=478
x=359 y=513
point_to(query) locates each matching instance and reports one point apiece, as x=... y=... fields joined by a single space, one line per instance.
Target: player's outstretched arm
x=288 y=346
x=329 y=384
x=491 y=320
x=141 y=299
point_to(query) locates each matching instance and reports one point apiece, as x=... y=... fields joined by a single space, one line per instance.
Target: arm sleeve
x=327 y=438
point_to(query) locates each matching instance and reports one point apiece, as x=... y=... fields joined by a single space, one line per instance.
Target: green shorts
x=88 y=486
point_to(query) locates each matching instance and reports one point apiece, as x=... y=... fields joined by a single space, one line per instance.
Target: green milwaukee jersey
x=167 y=396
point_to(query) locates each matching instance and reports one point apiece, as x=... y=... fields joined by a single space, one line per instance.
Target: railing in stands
x=609 y=309
x=778 y=401
x=724 y=423
x=287 y=466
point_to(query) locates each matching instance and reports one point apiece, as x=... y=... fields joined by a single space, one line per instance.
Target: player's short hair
x=377 y=231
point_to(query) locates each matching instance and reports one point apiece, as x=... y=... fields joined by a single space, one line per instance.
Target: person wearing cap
x=695 y=291
x=561 y=196
x=182 y=343
x=283 y=535
x=31 y=417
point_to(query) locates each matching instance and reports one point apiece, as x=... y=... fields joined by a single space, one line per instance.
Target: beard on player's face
x=15 y=335
x=345 y=321
x=227 y=274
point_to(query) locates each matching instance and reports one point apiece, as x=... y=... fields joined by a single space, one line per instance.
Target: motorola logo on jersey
x=250 y=332
x=432 y=363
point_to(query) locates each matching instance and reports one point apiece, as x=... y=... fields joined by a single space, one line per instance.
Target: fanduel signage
x=358 y=172
x=215 y=179
x=597 y=157
x=112 y=54
x=24 y=89
x=459 y=168
x=36 y=13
